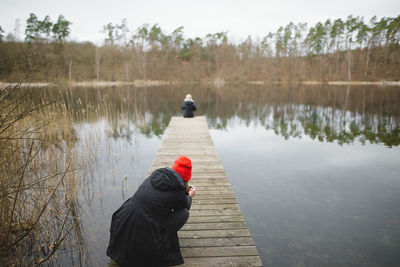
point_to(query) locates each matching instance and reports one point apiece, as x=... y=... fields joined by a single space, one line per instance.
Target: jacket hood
x=166 y=179
x=188 y=102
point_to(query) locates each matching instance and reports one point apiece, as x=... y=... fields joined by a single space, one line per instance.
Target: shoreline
x=148 y=83
x=377 y=83
x=94 y=83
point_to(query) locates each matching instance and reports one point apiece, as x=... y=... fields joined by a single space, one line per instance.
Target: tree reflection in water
x=327 y=114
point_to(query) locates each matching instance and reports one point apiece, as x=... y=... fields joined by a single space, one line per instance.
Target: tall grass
x=48 y=171
x=39 y=204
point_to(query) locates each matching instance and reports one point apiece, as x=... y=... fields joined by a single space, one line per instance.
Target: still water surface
x=315 y=169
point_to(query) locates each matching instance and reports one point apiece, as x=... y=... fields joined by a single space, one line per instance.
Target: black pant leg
x=178 y=219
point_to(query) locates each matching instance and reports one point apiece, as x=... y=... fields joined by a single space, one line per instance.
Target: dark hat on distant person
x=183 y=166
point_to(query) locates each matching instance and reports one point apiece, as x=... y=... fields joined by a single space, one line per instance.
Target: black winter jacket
x=140 y=234
x=188 y=107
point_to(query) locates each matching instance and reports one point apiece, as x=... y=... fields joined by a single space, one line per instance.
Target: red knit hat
x=183 y=166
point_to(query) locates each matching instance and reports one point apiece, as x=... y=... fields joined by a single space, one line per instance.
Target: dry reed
x=38 y=197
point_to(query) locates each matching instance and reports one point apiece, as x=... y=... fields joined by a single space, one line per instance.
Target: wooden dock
x=216 y=233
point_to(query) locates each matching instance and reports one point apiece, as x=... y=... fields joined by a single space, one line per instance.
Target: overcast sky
x=239 y=17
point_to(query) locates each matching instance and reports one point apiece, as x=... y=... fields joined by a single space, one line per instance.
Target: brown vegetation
x=339 y=50
x=38 y=194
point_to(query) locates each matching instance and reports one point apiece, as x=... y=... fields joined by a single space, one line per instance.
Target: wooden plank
x=219 y=251
x=253 y=261
x=214 y=212
x=208 y=172
x=209 y=187
x=193 y=154
x=205 y=195
x=214 y=226
x=219 y=186
x=214 y=201
x=196 y=163
x=209 y=200
x=216 y=192
x=214 y=184
x=216 y=233
x=207 y=175
x=194 y=146
x=216 y=242
x=193 y=157
x=187 y=147
x=208 y=194
x=199 y=167
x=210 y=180
x=196 y=175
x=184 y=151
x=226 y=218
x=208 y=206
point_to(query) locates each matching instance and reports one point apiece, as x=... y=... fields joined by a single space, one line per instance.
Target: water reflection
x=309 y=203
x=327 y=114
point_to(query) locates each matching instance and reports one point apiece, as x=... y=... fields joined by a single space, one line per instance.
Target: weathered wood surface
x=216 y=233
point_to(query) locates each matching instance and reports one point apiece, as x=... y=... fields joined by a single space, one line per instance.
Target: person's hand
x=192 y=191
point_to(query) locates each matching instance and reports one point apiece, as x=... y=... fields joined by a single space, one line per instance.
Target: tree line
x=341 y=49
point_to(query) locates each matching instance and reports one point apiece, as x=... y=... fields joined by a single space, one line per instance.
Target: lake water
x=316 y=170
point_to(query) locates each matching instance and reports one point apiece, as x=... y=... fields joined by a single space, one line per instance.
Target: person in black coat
x=188 y=106
x=144 y=229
